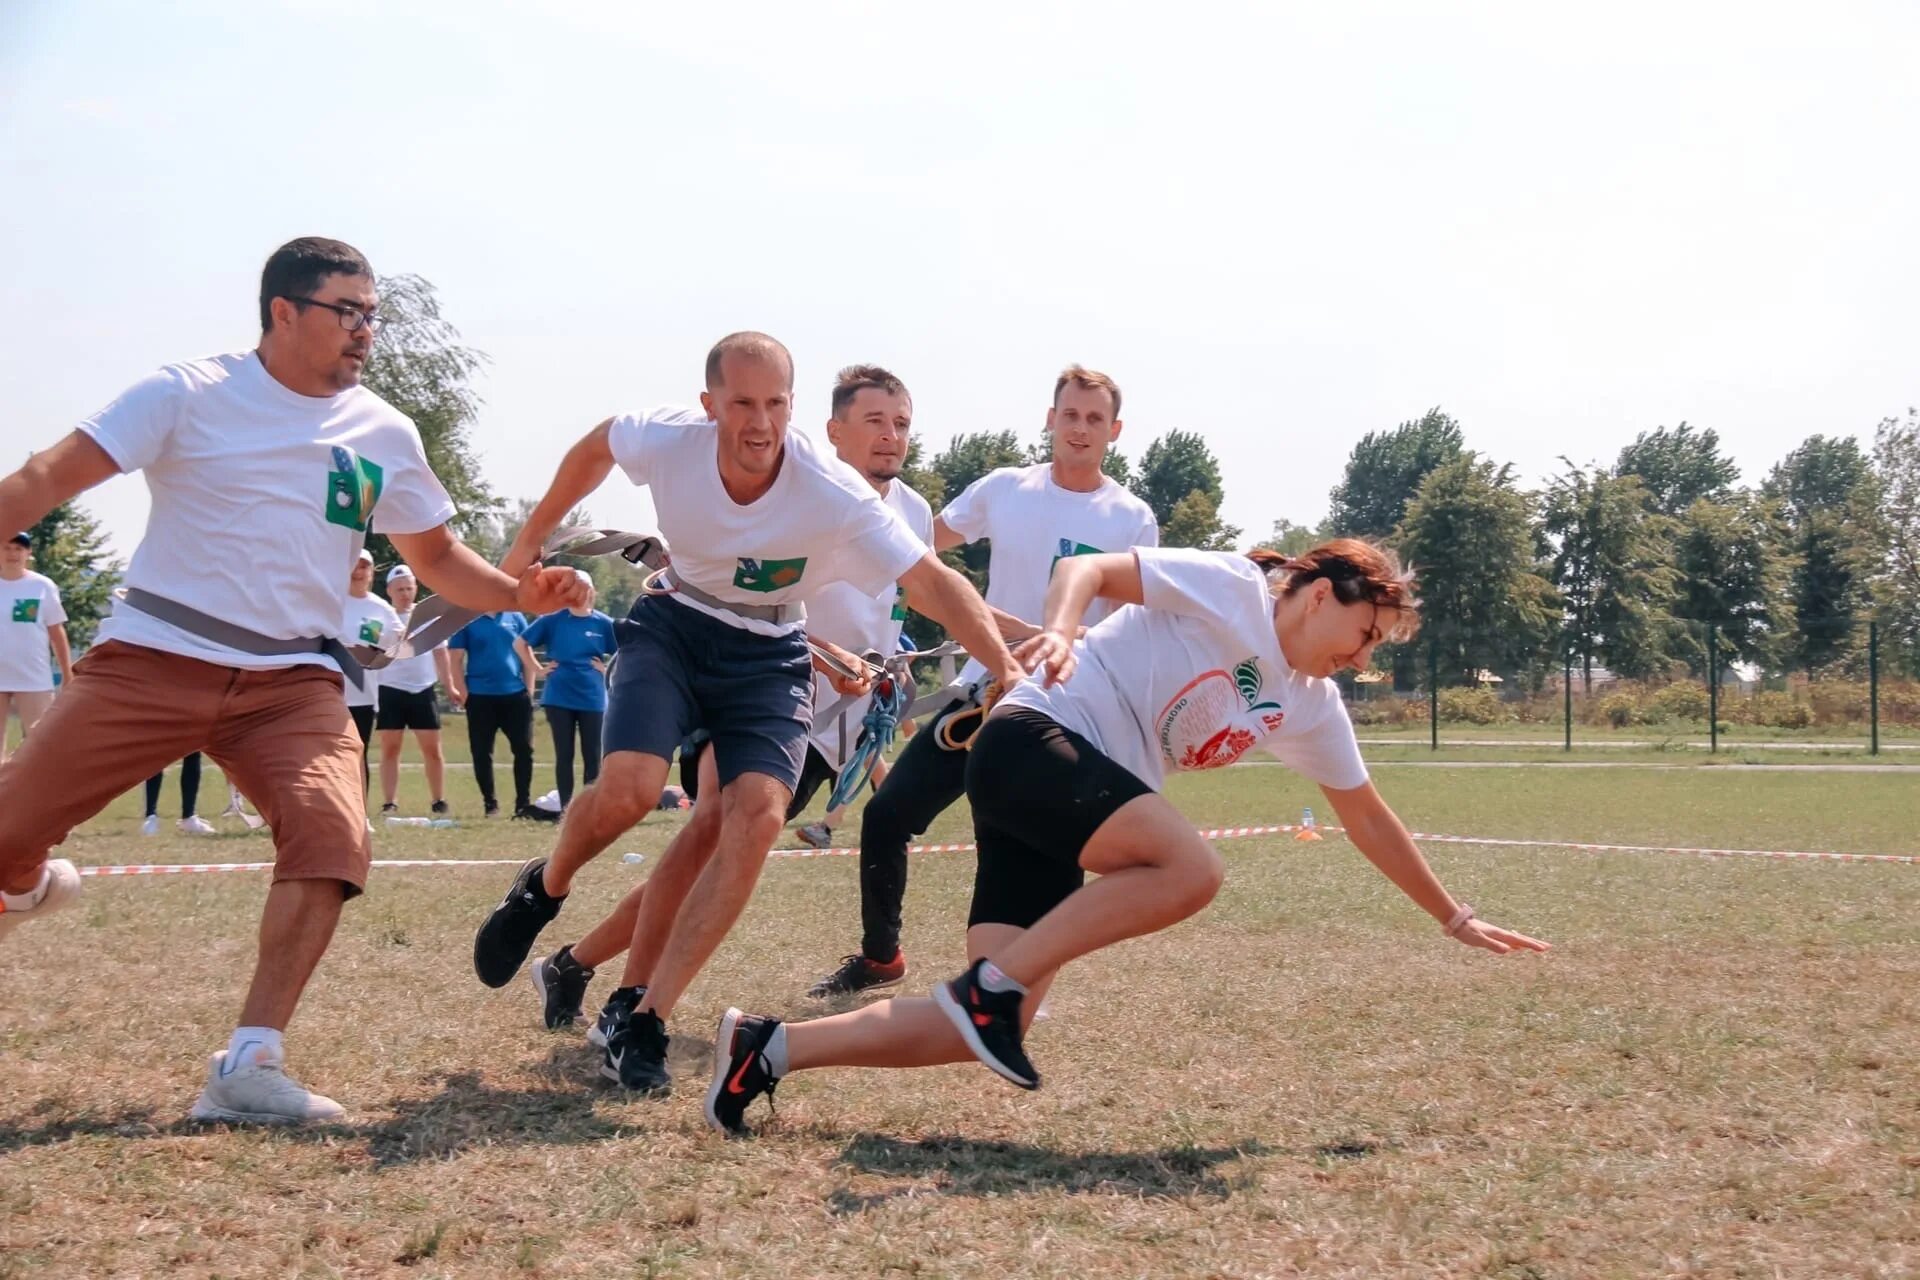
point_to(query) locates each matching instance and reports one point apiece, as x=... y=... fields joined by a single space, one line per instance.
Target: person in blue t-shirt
x=577 y=641
x=492 y=677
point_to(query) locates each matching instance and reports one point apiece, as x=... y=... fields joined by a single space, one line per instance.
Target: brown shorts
x=282 y=736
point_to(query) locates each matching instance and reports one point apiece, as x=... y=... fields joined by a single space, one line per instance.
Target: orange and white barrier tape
x=1210 y=833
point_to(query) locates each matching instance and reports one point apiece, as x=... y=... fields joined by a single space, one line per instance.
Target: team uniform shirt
x=1195 y=677
x=415 y=674
x=1033 y=524
x=572 y=643
x=859 y=622
x=818 y=524
x=262 y=499
x=370 y=621
x=492 y=665
x=28 y=606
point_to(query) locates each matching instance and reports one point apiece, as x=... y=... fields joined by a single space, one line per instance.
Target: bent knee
x=1200 y=874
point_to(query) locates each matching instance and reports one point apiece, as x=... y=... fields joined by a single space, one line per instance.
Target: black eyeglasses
x=351 y=318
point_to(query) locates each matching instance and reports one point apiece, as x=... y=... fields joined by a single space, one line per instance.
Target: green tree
x=1825 y=489
x=1385 y=470
x=1611 y=563
x=420 y=367
x=1468 y=533
x=1732 y=575
x=1195 y=522
x=1896 y=579
x=1174 y=466
x=1679 y=466
x=1291 y=539
x=70 y=548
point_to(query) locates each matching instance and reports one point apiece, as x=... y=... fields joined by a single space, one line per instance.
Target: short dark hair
x=855 y=378
x=756 y=346
x=1086 y=380
x=297 y=267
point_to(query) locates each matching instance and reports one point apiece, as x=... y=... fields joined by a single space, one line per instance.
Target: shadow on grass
x=465 y=1113
x=956 y=1166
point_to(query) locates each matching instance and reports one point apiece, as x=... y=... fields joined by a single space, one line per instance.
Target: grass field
x=1716 y=1072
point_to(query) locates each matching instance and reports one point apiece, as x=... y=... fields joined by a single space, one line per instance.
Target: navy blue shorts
x=681 y=670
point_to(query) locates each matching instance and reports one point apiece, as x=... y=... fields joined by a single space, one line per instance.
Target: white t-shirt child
x=818 y=524
x=1033 y=523
x=262 y=498
x=28 y=606
x=1195 y=677
x=850 y=618
x=370 y=621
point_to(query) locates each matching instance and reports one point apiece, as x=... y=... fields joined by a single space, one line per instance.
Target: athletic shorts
x=401 y=709
x=1039 y=791
x=815 y=773
x=681 y=670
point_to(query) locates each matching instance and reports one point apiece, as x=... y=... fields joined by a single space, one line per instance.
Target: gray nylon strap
x=238 y=638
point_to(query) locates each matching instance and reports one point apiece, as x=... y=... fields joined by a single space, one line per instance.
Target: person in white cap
x=31 y=619
x=408 y=701
x=370 y=621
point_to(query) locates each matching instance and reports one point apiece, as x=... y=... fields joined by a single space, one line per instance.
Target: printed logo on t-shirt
x=27 y=610
x=768 y=575
x=899 y=613
x=353 y=489
x=370 y=629
x=1216 y=718
x=1068 y=547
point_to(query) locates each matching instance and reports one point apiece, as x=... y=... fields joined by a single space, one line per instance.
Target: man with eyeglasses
x=266 y=469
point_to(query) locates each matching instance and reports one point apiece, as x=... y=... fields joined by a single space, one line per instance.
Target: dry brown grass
x=1715 y=1074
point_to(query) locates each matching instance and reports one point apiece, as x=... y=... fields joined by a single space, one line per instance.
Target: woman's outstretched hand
x=1491 y=937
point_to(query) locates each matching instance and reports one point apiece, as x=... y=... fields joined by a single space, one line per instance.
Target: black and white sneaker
x=562 y=983
x=440 y=809
x=989 y=1021
x=636 y=1055
x=740 y=1072
x=507 y=935
x=614 y=1014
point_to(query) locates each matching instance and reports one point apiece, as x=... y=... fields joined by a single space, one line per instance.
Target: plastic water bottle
x=1306 y=819
x=441 y=824
x=408 y=822
x=633 y=859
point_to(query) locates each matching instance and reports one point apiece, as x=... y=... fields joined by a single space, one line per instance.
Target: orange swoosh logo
x=734 y=1085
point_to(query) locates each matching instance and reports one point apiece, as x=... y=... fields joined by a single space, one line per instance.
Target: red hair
x=1360 y=571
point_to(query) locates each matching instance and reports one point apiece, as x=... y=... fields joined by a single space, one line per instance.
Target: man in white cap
x=370 y=621
x=31 y=619
x=408 y=701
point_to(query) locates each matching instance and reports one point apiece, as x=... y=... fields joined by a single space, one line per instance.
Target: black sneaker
x=857 y=973
x=989 y=1021
x=614 y=1014
x=740 y=1071
x=636 y=1055
x=533 y=813
x=389 y=808
x=507 y=934
x=562 y=982
x=492 y=809
x=440 y=809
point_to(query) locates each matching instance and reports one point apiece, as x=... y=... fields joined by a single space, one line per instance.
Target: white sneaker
x=815 y=835
x=259 y=1093
x=197 y=826
x=151 y=827
x=59 y=887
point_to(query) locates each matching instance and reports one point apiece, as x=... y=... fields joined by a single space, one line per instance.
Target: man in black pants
x=1033 y=516
x=492 y=676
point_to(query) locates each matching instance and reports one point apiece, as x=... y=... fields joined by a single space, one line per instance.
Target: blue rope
x=891 y=698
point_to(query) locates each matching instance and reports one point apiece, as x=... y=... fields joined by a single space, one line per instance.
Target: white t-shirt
x=411 y=675
x=848 y=617
x=1033 y=523
x=27 y=608
x=1195 y=677
x=261 y=500
x=372 y=621
x=819 y=523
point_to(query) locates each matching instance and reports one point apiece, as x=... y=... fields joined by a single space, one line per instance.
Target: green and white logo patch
x=353 y=489
x=1068 y=547
x=370 y=629
x=768 y=575
x=27 y=610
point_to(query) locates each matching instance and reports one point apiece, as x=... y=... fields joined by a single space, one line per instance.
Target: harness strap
x=233 y=636
x=674 y=584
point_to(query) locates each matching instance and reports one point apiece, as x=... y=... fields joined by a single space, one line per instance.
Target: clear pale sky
x=1280 y=225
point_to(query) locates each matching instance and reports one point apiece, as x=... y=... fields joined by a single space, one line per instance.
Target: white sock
x=993 y=979
x=776 y=1052
x=31 y=898
x=250 y=1045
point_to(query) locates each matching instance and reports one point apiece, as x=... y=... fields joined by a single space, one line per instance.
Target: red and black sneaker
x=989 y=1021
x=740 y=1072
x=857 y=973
